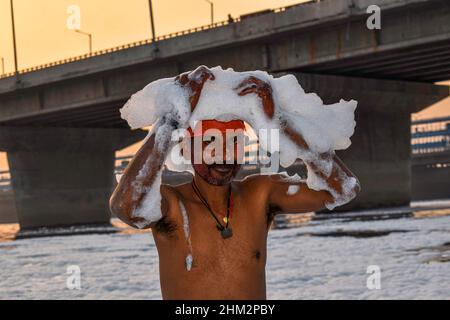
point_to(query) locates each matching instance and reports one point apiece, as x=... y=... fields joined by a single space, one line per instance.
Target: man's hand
x=195 y=80
x=262 y=89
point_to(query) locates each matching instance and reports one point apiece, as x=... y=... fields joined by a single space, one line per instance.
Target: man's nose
x=224 y=150
x=233 y=152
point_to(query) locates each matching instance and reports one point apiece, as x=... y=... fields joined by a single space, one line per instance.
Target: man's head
x=217 y=150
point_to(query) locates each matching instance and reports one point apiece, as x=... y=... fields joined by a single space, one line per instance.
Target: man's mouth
x=222 y=168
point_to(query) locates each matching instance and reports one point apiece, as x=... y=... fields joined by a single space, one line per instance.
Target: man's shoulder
x=256 y=182
x=169 y=191
x=175 y=192
x=171 y=196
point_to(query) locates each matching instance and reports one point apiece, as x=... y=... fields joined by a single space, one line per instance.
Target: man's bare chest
x=194 y=231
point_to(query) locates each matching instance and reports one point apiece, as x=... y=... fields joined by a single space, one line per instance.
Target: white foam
x=285 y=177
x=187 y=234
x=150 y=208
x=293 y=189
x=189 y=260
x=325 y=128
x=158 y=98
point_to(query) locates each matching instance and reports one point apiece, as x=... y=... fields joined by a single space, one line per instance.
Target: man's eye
x=208 y=140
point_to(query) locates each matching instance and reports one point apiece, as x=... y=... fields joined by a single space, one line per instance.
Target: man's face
x=220 y=159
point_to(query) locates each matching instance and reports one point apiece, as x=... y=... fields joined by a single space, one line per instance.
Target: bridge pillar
x=380 y=154
x=63 y=176
x=431 y=176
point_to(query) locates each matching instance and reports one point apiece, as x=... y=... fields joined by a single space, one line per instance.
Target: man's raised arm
x=300 y=198
x=141 y=174
x=340 y=184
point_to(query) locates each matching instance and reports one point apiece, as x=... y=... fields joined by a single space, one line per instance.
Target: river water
x=322 y=259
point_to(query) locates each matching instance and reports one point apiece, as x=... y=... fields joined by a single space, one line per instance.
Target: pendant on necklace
x=226 y=233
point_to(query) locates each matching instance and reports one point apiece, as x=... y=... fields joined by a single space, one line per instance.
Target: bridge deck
x=326 y=37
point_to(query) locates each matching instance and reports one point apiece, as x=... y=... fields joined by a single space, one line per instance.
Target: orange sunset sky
x=42 y=35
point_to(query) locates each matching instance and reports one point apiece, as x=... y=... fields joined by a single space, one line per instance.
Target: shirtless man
x=228 y=258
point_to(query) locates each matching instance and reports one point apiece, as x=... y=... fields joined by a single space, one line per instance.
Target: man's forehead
x=220 y=134
x=204 y=126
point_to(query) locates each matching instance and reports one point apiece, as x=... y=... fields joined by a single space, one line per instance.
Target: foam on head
x=325 y=128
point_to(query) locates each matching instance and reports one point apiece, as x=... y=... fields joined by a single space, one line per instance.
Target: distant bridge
x=430 y=135
x=431 y=159
x=5 y=179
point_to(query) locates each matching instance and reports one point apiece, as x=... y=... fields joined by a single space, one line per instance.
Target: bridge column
x=63 y=176
x=380 y=154
x=431 y=176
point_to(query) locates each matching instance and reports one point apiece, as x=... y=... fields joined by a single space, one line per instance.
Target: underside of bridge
x=63 y=176
x=420 y=63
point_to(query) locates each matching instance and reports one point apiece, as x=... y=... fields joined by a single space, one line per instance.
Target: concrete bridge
x=431 y=179
x=60 y=124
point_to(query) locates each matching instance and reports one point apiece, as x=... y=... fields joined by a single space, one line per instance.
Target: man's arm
x=141 y=174
x=283 y=193
x=335 y=179
x=297 y=197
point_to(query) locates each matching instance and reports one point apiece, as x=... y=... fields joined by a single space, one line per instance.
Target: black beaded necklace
x=225 y=231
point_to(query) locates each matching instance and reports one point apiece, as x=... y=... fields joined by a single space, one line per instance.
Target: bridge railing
x=118 y=48
x=430 y=135
x=149 y=41
x=5 y=180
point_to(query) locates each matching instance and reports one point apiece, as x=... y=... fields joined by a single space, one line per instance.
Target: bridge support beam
x=380 y=154
x=63 y=176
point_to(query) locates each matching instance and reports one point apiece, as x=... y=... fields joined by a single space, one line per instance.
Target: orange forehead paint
x=204 y=125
